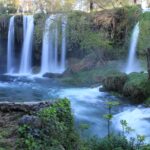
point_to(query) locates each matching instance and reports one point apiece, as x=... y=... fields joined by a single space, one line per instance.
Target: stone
x=30 y=120
x=23 y=107
x=52 y=75
x=115 y=82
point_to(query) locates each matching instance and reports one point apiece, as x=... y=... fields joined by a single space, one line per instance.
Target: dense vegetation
x=104 y=33
x=135 y=86
x=144 y=33
x=53 y=129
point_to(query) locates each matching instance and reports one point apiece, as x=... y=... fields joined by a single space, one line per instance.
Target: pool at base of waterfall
x=88 y=104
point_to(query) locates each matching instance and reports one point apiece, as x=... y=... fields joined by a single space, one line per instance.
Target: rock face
x=23 y=107
x=134 y=86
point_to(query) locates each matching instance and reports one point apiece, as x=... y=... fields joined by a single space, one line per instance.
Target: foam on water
x=90 y=95
x=138 y=118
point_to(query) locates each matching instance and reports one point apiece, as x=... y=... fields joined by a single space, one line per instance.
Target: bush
x=103 y=32
x=115 y=82
x=137 y=87
x=144 y=37
x=56 y=131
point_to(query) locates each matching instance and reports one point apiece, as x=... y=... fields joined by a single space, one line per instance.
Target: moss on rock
x=115 y=82
x=137 y=87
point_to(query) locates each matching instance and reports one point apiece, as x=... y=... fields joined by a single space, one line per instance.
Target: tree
x=109 y=116
x=54 y=5
x=105 y=4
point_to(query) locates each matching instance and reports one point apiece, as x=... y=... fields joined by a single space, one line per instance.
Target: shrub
x=115 y=82
x=137 y=87
x=56 y=131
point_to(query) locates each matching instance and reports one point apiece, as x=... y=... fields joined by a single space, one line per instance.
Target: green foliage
x=126 y=18
x=115 y=81
x=92 y=76
x=137 y=87
x=115 y=142
x=82 y=36
x=112 y=104
x=125 y=127
x=144 y=33
x=85 y=35
x=56 y=130
x=39 y=21
x=147 y=102
x=7 y=8
x=109 y=116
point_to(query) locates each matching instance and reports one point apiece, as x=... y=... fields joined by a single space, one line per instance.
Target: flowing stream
x=88 y=104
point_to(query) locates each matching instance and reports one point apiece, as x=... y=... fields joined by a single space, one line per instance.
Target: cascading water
x=132 y=63
x=10 y=47
x=46 y=46
x=50 y=61
x=25 y=66
x=144 y=4
x=63 y=55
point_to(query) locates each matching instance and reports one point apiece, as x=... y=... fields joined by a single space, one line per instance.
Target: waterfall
x=50 y=51
x=133 y=63
x=28 y=26
x=63 y=55
x=144 y=4
x=46 y=46
x=10 y=47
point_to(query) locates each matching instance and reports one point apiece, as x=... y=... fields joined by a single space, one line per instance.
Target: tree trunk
x=91 y=6
x=148 y=62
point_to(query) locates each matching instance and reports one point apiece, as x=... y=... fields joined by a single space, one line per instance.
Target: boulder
x=52 y=75
x=115 y=82
x=23 y=107
x=137 y=87
x=32 y=121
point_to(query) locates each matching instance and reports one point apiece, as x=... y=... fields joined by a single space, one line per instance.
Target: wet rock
x=52 y=75
x=115 y=82
x=23 y=107
x=32 y=121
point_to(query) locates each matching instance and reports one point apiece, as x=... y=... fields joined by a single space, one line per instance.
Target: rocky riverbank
x=10 y=114
x=134 y=86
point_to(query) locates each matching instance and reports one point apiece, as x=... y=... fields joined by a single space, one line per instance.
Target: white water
x=89 y=106
x=144 y=4
x=25 y=66
x=63 y=54
x=45 y=66
x=50 y=62
x=133 y=64
x=10 y=47
x=138 y=118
